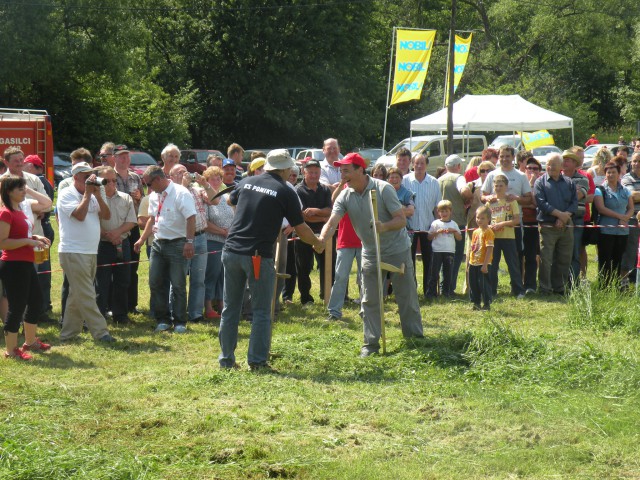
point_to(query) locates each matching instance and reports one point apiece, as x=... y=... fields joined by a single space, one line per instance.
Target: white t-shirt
x=171 y=219
x=77 y=236
x=518 y=182
x=445 y=242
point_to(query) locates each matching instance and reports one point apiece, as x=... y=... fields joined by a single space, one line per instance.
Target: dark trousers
x=610 y=251
x=480 y=285
x=20 y=280
x=45 y=278
x=64 y=294
x=304 y=264
x=425 y=251
x=531 y=240
x=441 y=261
x=512 y=259
x=132 y=293
x=112 y=282
x=290 y=283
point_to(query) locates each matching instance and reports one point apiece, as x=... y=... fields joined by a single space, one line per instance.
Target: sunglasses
x=484 y=170
x=533 y=169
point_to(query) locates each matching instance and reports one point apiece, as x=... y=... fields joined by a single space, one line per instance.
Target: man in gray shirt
x=394 y=248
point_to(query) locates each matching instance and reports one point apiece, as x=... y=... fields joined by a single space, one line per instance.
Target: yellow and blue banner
x=413 y=52
x=461 y=50
x=540 y=138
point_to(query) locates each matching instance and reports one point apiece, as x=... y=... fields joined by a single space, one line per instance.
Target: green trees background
x=269 y=73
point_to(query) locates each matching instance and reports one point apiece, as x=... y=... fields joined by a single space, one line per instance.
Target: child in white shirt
x=443 y=234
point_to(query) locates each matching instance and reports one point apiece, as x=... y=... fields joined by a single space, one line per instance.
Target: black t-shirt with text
x=261 y=203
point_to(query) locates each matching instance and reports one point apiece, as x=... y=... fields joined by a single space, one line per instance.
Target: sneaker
x=18 y=355
x=213 y=315
x=37 y=345
x=235 y=366
x=106 y=339
x=180 y=328
x=520 y=296
x=262 y=368
x=365 y=352
x=332 y=318
x=530 y=291
x=162 y=327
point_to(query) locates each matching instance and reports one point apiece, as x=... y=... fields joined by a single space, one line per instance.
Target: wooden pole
x=374 y=215
x=328 y=270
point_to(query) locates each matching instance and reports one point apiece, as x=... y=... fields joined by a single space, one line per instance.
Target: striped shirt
x=427 y=196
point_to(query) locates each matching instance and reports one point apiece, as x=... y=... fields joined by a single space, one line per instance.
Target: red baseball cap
x=352 y=159
x=35 y=160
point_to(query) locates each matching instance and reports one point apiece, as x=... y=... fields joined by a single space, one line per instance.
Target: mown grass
x=525 y=391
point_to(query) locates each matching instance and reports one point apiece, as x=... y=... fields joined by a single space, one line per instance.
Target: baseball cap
x=453 y=160
x=118 y=149
x=256 y=164
x=227 y=161
x=279 y=159
x=81 y=168
x=35 y=160
x=312 y=162
x=352 y=159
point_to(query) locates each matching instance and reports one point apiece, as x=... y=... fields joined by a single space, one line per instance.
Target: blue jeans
x=508 y=246
x=238 y=270
x=168 y=267
x=344 y=262
x=197 y=267
x=214 y=276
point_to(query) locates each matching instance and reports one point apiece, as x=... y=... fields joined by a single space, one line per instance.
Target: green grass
x=533 y=389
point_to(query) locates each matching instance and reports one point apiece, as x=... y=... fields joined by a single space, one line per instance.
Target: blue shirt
x=553 y=195
x=405 y=196
x=618 y=201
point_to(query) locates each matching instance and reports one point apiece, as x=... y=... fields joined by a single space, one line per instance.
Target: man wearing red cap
x=394 y=248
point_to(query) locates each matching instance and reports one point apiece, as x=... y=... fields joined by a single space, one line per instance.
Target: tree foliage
x=268 y=73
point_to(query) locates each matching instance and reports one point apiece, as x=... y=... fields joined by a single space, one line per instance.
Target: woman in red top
x=16 y=265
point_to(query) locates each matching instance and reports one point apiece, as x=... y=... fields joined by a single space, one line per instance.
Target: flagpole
x=386 y=110
x=452 y=33
x=446 y=77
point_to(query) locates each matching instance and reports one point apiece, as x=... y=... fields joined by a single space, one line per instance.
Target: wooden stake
x=373 y=203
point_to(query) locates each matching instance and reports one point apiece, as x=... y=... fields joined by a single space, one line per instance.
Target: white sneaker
x=520 y=296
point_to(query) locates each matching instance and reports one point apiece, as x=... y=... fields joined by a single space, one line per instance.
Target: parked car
x=435 y=147
x=198 y=155
x=61 y=166
x=315 y=153
x=591 y=150
x=140 y=161
x=541 y=153
x=295 y=150
x=371 y=155
x=247 y=154
x=512 y=140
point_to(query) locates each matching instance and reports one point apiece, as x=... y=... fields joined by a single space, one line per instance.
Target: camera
x=99 y=182
x=192 y=177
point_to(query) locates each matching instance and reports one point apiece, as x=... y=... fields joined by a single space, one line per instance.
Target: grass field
x=546 y=387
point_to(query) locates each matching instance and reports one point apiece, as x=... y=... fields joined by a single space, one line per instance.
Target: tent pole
x=386 y=110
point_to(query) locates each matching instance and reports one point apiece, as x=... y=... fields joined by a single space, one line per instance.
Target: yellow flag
x=460 y=55
x=540 y=138
x=413 y=52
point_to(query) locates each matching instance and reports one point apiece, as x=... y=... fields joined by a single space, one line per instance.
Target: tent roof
x=493 y=113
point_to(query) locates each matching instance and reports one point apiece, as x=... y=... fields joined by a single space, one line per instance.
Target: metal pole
x=386 y=108
x=452 y=34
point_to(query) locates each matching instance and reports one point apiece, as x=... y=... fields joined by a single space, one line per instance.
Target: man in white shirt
x=172 y=219
x=329 y=172
x=80 y=208
x=427 y=195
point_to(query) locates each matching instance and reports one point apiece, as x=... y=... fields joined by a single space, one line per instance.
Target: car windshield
x=416 y=146
x=509 y=140
x=61 y=160
x=546 y=150
x=141 y=158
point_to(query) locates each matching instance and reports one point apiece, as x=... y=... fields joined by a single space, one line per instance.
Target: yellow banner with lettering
x=413 y=52
x=460 y=56
x=540 y=138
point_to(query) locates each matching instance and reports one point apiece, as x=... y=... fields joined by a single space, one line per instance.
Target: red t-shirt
x=19 y=227
x=347 y=237
x=592 y=190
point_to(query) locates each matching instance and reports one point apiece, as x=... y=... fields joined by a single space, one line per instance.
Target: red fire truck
x=31 y=131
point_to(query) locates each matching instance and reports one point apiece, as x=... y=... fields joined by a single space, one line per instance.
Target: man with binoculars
x=80 y=208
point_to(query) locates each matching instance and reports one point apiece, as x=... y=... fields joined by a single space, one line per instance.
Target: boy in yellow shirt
x=481 y=255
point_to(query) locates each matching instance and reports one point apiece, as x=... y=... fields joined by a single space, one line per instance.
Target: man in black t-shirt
x=261 y=204
x=316 y=210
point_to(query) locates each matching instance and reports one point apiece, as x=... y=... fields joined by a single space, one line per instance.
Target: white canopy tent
x=494 y=113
